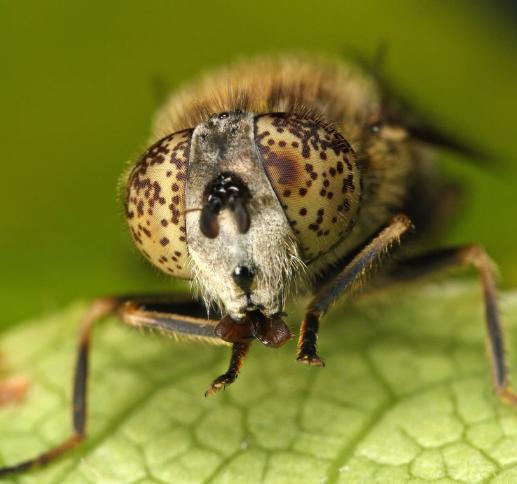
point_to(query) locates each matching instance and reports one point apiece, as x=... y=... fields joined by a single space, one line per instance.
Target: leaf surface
x=405 y=397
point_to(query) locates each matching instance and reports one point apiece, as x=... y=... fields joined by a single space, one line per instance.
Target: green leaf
x=405 y=397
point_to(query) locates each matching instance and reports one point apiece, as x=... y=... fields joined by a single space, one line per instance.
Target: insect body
x=272 y=178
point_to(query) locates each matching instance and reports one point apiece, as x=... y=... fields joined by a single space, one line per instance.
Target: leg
x=474 y=256
x=342 y=282
x=307 y=340
x=239 y=352
x=135 y=312
x=99 y=309
x=185 y=320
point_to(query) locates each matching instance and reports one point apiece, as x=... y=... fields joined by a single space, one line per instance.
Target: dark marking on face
x=225 y=190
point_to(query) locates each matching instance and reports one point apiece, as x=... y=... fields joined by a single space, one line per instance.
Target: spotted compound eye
x=314 y=174
x=155 y=203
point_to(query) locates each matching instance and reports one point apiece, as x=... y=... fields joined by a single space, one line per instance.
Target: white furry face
x=267 y=248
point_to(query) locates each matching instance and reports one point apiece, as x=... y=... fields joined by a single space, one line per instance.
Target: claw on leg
x=307 y=341
x=310 y=360
x=220 y=383
x=239 y=351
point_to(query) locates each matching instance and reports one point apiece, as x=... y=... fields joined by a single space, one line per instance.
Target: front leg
x=342 y=283
x=239 y=352
x=185 y=318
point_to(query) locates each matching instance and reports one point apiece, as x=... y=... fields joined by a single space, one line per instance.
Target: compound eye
x=315 y=176
x=155 y=203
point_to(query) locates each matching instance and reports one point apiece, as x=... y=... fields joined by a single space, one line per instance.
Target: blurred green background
x=77 y=91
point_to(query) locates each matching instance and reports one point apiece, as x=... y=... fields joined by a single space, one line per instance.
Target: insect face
x=242 y=248
x=242 y=202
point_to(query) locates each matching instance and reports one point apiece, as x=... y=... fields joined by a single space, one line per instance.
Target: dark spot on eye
x=283 y=168
x=223 y=115
x=140 y=208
